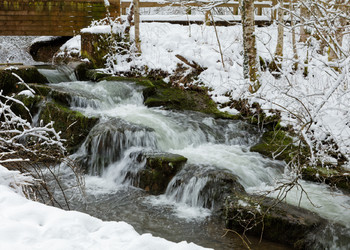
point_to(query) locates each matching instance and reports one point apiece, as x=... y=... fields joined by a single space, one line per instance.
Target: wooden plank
x=45 y=18
x=57 y=13
x=39 y=27
x=77 y=22
x=52 y=1
x=39 y=33
x=64 y=8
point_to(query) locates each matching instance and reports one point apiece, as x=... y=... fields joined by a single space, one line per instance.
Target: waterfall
x=60 y=74
x=108 y=141
x=217 y=151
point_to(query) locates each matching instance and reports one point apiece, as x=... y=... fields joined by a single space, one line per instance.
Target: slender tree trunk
x=303 y=15
x=250 y=65
x=137 y=25
x=280 y=31
x=292 y=24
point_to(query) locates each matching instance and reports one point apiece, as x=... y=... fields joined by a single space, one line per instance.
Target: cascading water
x=211 y=146
x=60 y=74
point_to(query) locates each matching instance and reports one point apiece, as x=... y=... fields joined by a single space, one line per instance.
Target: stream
x=127 y=126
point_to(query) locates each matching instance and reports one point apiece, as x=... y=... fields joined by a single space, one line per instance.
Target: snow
x=43 y=39
x=14 y=49
x=27 y=93
x=193 y=18
x=27 y=224
x=103 y=29
x=72 y=44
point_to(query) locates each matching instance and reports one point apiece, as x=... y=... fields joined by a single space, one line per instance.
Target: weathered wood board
x=51 y=17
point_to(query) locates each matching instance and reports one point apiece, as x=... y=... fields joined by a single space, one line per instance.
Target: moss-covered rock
x=9 y=82
x=60 y=96
x=73 y=125
x=162 y=94
x=277 y=222
x=160 y=168
x=254 y=114
x=215 y=185
x=95 y=75
x=333 y=176
x=31 y=102
x=278 y=145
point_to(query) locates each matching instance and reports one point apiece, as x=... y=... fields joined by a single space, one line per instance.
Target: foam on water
x=203 y=140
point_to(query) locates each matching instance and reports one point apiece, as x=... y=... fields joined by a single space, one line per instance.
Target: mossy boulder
x=9 y=82
x=164 y=95
x=333 y=176
x=73 y=125
x=279 y=145
x=275 y=221
x=95 y=75
x=215 y=185
x=159 y=169
x=60 y=96
x=32 y=104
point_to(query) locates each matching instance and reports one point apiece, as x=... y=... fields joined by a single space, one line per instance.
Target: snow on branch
x=21 y=141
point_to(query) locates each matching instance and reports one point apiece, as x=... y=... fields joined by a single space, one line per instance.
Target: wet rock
x=44 y=50
x=162 y=94
x=95 y=75
x=280 y=146
x=160 y=168
x=277 y=222
x=333 y=176
x=108 y=140
x=210 y=184
x=31 y=102
x=95 y=46
x=73 y=125
x=9 y=82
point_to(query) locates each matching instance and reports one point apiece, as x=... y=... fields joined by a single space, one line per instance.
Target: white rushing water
x=203 y=141
x=206 y=142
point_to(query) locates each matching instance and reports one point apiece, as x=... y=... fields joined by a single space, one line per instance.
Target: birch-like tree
x=250 y=63
x=276 y=63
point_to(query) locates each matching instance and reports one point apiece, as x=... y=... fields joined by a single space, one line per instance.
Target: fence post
x=274 y=11
x=207 y=19
x=114 y=8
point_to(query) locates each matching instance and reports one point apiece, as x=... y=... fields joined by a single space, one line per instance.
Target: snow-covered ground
x=14 y=49
x=26 y=224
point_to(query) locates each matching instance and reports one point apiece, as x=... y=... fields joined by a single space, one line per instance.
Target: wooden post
x=274 y=12
x=114 y=8
x=207 y=17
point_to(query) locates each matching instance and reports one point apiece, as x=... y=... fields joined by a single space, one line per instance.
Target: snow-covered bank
x=27 y=224
x=15 y=49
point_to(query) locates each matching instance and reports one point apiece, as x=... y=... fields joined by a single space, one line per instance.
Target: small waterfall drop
x=60 y=74
x=108 y=141
x=201 y=186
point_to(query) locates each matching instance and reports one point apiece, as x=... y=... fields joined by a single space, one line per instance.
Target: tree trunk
x=137 y=25
x=280 y=30
x=304 y=15
x=292 y=23
x=250 y=65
